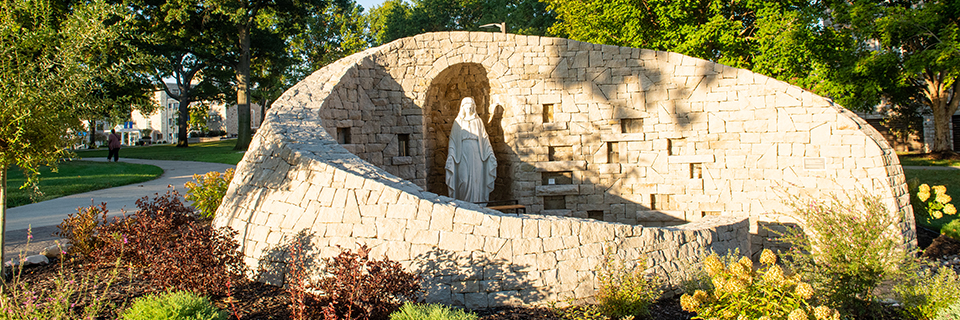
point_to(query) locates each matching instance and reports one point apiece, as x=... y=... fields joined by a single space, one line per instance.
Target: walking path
x=43 y=217
x=930 y=168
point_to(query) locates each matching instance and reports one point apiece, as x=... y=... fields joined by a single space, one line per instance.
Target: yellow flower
x=923 y=195
x=943 y=198
x=804 y=290
x=774 y=274
x=701 y=296
x=949 y=209
x=712 y=265
x=746 y=263
x=739 y=269
x=737 y=286
x=764 y=318
x=767 y=257
x=742 y=317
x=939 y=189
x=936 y=214
x=797 y=314
x=688 y=303
x=719 y=284
x=822 y=313
x=924 y=188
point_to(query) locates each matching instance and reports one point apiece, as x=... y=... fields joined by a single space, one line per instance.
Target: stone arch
x=440 y=107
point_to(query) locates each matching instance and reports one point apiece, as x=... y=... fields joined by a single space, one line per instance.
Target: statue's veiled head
x=467 y=107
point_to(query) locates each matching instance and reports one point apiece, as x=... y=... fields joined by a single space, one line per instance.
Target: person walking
x=114 y=145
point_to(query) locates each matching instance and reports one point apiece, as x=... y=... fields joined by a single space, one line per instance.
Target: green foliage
x=176 y=305
x=933 y=177
x=775 y=38
x=767 y=293
x=415 y=311
x=623 y=288
x=930 y=293
x=952 y=229
x=80 y=229
x=845 y=268
x=937 y=203
x=950 y=313
x=583 y=312
x=207 y=191
x=396 y=19
x=71 y=296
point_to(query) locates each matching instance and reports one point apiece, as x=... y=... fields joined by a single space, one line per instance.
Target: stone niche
x=654 y=155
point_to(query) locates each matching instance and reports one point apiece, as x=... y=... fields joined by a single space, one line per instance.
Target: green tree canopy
x=396 y=19
x=56 y=54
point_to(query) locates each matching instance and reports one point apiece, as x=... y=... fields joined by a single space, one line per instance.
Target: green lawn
x=215 y=151
x=914 y=159
x=76 y=177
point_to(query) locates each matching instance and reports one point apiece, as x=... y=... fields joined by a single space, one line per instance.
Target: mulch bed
x=255 y=300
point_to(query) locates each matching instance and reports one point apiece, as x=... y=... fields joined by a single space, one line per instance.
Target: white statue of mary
x=471 y=165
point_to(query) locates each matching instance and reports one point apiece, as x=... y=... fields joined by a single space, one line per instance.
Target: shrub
x=937 y=203
x=950 y=313
x=582 y=312
x=71 y=297
x=952 y=229
x=207 y=191
x=413 y=311
x=174 y=305
x=930 y=293
x=740 y=291
x=80 y=229
x=845 y=268
x=174 y=249
x=361 y=288
x=623 y=289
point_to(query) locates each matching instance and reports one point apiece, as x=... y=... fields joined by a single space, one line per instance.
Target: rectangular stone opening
x=595 y=214
x=343 y=135
x=560 y=153
x=554 y=203
x=403 y=144
x=557 y=177
x=709 y=213
x=696 y=171
x=670 y=147
x=632 y=125
x=613 y=152
x=814 y=163
x=548 y=110
x=659 y=201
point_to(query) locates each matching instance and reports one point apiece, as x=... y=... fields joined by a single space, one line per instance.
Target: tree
x=775 y=38
x=396 y=19
x=250 y=16
x=911 y=58
x=54 y=54
x=186 y=46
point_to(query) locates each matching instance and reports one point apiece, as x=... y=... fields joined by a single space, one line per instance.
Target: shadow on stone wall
x=474 y=280
x=297 y=254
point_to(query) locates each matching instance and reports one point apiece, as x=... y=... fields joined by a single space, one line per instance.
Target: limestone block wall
x=671 y=156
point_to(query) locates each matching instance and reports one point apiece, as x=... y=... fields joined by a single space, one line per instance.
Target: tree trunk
x=264 y=106
x=93 y=134
x=184 y=113
x=3 y=213
x=941 y=131
x=243 y=90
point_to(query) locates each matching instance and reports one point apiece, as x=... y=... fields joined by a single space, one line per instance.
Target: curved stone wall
x=676 y=155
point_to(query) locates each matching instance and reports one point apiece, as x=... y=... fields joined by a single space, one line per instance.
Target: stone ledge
x=549 y=166
x=558 y=190
x=691 y=159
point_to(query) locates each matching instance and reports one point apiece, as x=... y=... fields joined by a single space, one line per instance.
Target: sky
x=368 y=4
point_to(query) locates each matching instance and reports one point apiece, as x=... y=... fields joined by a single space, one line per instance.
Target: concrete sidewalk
x=44 y=216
